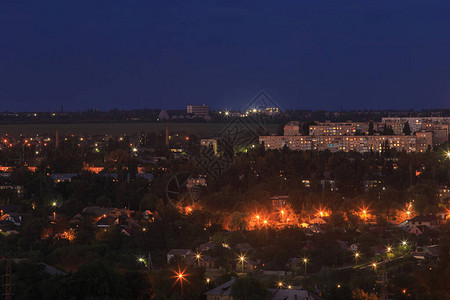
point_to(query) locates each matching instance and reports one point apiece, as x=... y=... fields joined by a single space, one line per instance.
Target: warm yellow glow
x=356 y=254
x=265 y=221
x=257 y=216
x=280 y=284
x=374 y=265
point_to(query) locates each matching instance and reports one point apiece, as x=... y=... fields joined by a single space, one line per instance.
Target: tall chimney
x=56 y=139
x=167 y=136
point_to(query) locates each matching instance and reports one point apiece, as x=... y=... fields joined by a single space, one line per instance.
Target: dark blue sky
x=165 y=54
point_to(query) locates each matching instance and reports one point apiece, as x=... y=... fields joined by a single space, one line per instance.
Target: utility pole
x=149 y=260
x=8 y=280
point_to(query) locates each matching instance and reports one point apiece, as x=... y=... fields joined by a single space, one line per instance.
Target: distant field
x=201 y=129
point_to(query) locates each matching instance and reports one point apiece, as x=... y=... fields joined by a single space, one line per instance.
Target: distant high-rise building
x=199 y=110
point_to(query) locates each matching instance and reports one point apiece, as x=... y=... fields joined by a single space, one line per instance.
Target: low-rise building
x=430 y=221
x=185 y=254
x=279 y=202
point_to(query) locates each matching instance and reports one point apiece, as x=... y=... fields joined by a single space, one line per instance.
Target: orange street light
x=180 y=276
x=242 y=260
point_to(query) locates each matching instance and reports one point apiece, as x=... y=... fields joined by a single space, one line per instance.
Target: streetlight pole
x=448 y=166
x=305 y=261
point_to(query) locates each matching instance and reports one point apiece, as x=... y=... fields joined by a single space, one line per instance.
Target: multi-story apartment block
x=415 y=123
x=329 y=128
x=376 y=143
x=199 y=110
x=292 y=128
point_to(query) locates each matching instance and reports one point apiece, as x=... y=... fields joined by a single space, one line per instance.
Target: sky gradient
x=166 y=54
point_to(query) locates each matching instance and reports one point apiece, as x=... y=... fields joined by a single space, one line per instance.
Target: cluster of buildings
x=423 y=133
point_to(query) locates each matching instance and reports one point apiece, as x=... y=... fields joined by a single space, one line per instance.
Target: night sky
x=315 y=54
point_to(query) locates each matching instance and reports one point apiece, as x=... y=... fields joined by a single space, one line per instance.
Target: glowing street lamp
x=242 y=260
x=180 y=276
x=305 y=261
x=356 y=258
x=404 y=243
x=198 y=257
x=374 y=266
x=280 y=284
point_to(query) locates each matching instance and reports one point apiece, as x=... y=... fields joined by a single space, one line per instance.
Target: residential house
x=222 y=292
x=185 y=254
x=418 y=229
x=426 y=252
x=105 y=222
x=443 y=192
x=290 y=294
x=430 y=221
x=207 y=262
x=63 y=177
x=207 y=246
x=243 y=247
x=249 y=265
x=354 y=247
x=279 y=202
x=328 y=185
x=318 y=221
x=11 y=219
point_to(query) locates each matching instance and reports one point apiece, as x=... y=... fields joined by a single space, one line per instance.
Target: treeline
x=151 y=115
